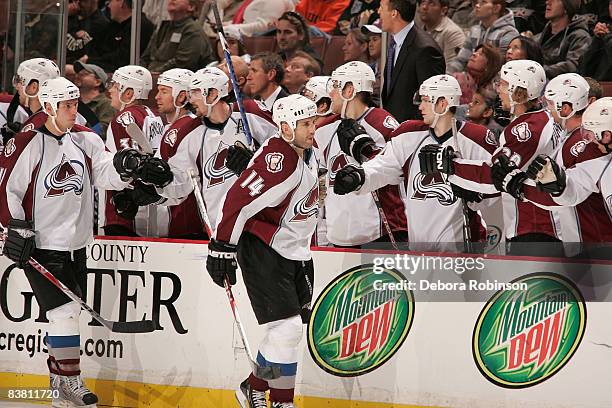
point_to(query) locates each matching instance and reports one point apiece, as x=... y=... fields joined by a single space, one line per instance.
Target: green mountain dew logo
x=524 y=337
x=359 y=321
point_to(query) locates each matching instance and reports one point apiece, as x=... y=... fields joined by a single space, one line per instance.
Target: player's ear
x=487 y=113
x=286 y=130
x=32 y=88
x=348 y=91
x=181 y=98
x=127 y=95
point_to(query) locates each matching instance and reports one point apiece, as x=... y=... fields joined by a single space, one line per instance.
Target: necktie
x=390 y=61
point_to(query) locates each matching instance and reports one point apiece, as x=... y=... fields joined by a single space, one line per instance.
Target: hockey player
x=266 y=222
x=316 y=90
x=201 y=144
x=46 y=185
x=433 y=210
x=586 y=185
x=532 y=131
x=129 y=87
x=15 y=110
x=355 y=220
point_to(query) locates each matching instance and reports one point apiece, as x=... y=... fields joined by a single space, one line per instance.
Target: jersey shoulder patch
x=35 y=121
x=277 y=157
x=411 y=126
x=480 y=135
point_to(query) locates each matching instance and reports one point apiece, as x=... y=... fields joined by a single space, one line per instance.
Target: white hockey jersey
x=146 y=221
x=49 y=180
x=354 y=219
x=276 y=199
x=21 y=115
x=434 y=214
x=202 y=146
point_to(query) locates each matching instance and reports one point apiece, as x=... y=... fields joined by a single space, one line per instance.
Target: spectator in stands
x=412 y=57
x=322 y=14
x=445 y=32
x=86 y=24
x=241 y=69
x=358 y=14
x=91 y=80
x=597 y=60
x=374 y=34
x=595 y=89
x=528 y=15
x=299 y=70
x=563 y=41
x=179 y=42
x=482 y=67
x=266 y=74
x=112 y=50
x=522 y=47
x=235 y=45
x=496 y=26
x=355 y=46
x=292 y=35
x=462 y=13
x=480 y=109
x=258 y=17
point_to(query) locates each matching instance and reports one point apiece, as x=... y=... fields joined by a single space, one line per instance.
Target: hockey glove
x=131 y=164
x=145 y=194
x=9 y=130
x=348 y=179
x=434 y=158
x=238 y=157
x=353 y=138
x=20 y=242
x=467 y=195
x=124 y=204
x=549 y=176
x=508 y=178
x=221 y=262
x=127 y=162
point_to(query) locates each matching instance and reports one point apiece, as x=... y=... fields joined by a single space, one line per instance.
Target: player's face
x=196 y=99
x=502 y=91
x=304 y=132
x=164 y=99
x=66 y=114
x=338 y=96
x=116 y=98
x=427 y=109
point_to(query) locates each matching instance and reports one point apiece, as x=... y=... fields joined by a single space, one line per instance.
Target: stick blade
x=142 y=326
x=139 y=137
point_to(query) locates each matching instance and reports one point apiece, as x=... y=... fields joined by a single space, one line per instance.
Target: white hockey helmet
x=292 y=108
x=210 y=78
x=526 y=74
x=440 y=86
x=55 y=90
x=598 y=117
x=35 y=69
x=178 y=79
x=567 y=88
x=358 y=73
x=136 y=77
x=317 y=88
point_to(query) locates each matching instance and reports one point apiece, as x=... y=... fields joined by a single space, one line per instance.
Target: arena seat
x=259 y=44
x=607 y=88
x=333 y=56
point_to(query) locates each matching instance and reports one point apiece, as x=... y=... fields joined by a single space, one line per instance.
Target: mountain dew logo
x=524 y=337
x=359 y=321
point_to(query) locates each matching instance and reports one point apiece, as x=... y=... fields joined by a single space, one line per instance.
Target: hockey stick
x=384 y=219
x=139 y=137
x=267 y=372
x=232 y=72
x=467 y=234
x=142 y=326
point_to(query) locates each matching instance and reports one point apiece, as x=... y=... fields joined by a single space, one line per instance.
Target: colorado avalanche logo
x=10 y=147
x=170 y=137
x=490 y=138
x=262 y=106
x=522 y=132
x=215 y=170
x=609 y=205
x=28 y=127
x=337 y=162
x=308 y=206
x=432 y=186
x=578 y=148
x=390 y=123
x=125 y=119
x=64 y=178
x=274 y=162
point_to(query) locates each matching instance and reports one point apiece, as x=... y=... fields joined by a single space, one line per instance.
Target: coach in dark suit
x=412 y=57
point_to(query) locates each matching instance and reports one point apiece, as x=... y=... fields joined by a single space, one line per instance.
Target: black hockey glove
x=348 y=179
x=20 y=242
x=238 y=157
x=353 y=138
x=434 y=158
x=221 y=262
x=131 y=164
x=9 y=130
x=124 y=204
x=550 y=177
x=145 y=194
x=508 y=178
x=467 y=195
x=127 y=162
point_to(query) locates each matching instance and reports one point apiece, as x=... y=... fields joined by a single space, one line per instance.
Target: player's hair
x=595 y=88
x=300 y=24
x=271 y=61
x=312 y=66
x=406 y=8
x=365 y=98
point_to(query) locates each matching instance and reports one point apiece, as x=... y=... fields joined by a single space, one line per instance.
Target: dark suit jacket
x=420 y=58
